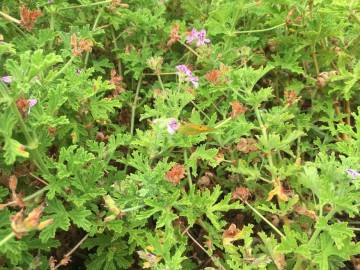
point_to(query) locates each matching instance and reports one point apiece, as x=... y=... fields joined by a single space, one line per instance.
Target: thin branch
x=39 y=179
x=264 y=219
x=10 y=18
x=28 y=198
x=214 y=260
x=133 y=109
x=260 y=30
x=66 y=257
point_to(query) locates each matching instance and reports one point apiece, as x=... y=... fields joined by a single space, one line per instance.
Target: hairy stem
x=260 y=30
x=133 y=107
x=265 y=219
x=7 y=238
x=10 y=18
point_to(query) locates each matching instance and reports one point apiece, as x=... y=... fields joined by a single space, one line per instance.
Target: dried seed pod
x=176 y=173
x=241 y=193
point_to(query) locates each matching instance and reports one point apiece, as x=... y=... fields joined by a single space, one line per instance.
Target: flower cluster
x=185 y=73
x=198 y=36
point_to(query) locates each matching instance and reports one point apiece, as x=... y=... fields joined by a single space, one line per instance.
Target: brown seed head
x=176 y=173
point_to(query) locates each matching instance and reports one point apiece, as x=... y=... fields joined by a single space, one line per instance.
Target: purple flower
x=186 y=73
x=202 y=40
x=7 y=79
x=183 y=69
x=193 y=35
x=172 y=125
x=194 y=80
x=32 y=102
x=198 y=36
x=352 y=173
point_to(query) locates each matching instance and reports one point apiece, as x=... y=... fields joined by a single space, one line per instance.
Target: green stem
x=93 y=29
x=10 y=18
x=52 y=26
x=133 y=109
x=160 y=81
x=37 y=157
x=116 y=48
x=7 y=238
x=161 y=73
x=30 y=197
x=187 y=168
x=264 y=133
x=223 y=122
x=190 y=49
x=200 y=110
x=260 y=30
x=264 y=219
x=88 y=5
x=317 y=231
x=132 y=208
x=62 y=69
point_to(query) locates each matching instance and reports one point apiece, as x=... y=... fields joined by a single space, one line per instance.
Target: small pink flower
x=172 y=126
x=352 y=173
x=7 y=79
x=185 y=73
x=193 y=35
x=202 y=40
x=194 y=80
x=198 y=36
x=32 y=102
x=183 y=69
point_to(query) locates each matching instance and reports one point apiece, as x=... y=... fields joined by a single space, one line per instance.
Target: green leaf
x=57 y=212
x=203 y=154
x=14 y=149
x=79 y=217
x=100 y=109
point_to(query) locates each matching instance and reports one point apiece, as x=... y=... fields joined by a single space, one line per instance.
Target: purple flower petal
x=194 y=80
x=352 y=173
x=198 y=36
x=183 y=70
x=202 y=40
x=193 y=35
x=7 y=79
x=32 y=102
x=172 y=126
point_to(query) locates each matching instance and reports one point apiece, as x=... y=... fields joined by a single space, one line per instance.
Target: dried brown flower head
x=22 y=105
x=231 y=234
x=213 y=76
x=116 y=80
x=28 y=17
x=241 y=193
x=246 y=145
x=176 y=173
x=231 y=231
x=174 y=35
x=324 y=78
x=291 y=97
x=78 y=47
x=237 y=108
x=302 y=210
